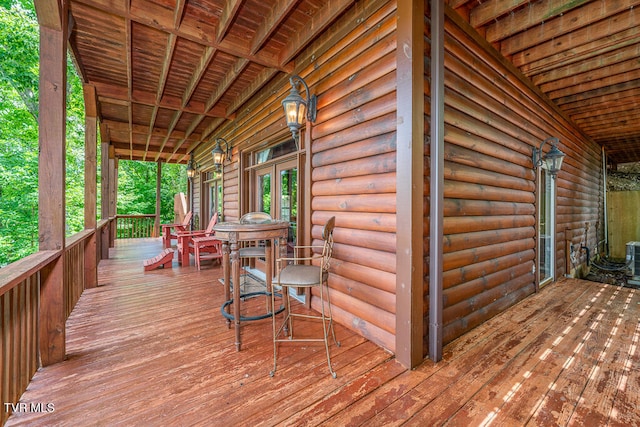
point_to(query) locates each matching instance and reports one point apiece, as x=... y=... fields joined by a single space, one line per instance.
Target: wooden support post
x=436 y=189
x=410 y=183
x=90 y=187
x=113 y=183
x=104 y=176
x=105 y=171
x=156 y=224
x=51 y=190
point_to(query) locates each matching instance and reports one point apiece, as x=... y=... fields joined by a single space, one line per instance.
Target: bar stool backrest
x=327 y=250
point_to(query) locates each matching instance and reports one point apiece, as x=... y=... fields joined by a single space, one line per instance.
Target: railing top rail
x=20 y=270
x=78 y=237
x=136 y=216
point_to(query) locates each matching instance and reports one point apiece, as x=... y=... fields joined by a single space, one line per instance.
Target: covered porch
x=153 y=349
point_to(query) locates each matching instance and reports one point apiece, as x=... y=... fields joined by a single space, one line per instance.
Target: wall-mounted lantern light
x=191 y=168
x=295 y=107
x=552 y=160
x=220 y=154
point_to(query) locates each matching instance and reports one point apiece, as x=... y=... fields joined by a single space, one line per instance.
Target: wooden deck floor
x=151 y=349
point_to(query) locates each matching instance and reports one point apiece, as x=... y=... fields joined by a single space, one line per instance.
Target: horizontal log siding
x=231 y=190
x=353 y=164
x=351 y=68
x=492 y=122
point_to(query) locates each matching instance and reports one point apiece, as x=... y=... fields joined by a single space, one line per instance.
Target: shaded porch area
x=153 y=349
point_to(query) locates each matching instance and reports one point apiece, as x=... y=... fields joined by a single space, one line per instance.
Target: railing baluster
x=134 y=226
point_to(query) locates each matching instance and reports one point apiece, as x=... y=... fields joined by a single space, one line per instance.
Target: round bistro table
x=274 y=233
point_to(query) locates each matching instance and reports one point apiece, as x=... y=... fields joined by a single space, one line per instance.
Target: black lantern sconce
x=191 y=168
x=219 y=154
x=295 y=107
x=552 y=160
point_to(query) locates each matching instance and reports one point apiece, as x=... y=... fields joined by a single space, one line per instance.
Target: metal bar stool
x=296 y=274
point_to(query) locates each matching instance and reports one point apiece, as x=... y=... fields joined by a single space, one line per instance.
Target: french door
x=211 y=193
x=276 y=193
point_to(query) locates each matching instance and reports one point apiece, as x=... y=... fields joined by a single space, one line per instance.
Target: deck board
x=151 y=348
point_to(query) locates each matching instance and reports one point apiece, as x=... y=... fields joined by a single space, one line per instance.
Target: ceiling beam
x=129 y=59
x=321 y=20
x=49 y=13
x=119 y=95
x=270 y=24
x=172 y=125
x=252 y=89
x=160 y=18
x=229 y=13
x=162 y=82
x=143 y=130
x=232 y=75
x=197 y=75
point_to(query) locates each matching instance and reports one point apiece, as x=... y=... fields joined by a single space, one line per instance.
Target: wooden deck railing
x=135 y=226
x=21 y=307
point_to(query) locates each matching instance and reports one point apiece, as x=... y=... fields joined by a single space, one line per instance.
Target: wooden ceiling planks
x=582 y=54
x=169 y=73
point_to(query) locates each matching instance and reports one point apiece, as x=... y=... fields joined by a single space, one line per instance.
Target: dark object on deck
x=164 y=259
x=611 y=271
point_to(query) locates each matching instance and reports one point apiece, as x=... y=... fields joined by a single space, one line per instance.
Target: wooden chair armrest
x=191 y=233
x=205 y=239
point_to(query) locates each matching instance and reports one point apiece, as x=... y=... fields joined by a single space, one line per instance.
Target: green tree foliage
x=137 y=188
x=19 y=78
x=18 y=132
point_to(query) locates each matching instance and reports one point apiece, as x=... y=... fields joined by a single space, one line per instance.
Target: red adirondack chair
x=167 y=235
x=201 y=243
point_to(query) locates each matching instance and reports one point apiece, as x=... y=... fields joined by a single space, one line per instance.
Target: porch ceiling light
x=295 y=107
x=219 y=154
x=191 y=168
x=552 y=160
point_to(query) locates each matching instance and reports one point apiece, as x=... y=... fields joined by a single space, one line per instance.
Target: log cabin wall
x=351 y=69
x=353 y=164
x=493 y=119
x=231 y=190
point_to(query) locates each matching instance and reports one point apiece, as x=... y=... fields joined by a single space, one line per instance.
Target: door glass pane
x=546 y=226
x=264 y=196
x=213 y=197
x=288 y=201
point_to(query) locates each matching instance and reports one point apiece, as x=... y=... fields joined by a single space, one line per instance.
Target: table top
x=236 y=230
x=237 y=226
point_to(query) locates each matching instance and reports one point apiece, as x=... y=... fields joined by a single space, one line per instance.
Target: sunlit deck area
x=153 y=349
